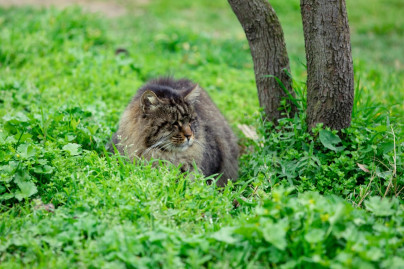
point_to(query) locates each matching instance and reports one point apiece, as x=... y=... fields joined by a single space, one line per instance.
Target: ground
x=111 y=9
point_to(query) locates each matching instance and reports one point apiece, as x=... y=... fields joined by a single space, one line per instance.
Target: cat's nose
x=187 y=132
x=188 y=136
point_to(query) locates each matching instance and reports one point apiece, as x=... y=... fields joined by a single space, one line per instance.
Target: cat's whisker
x=153 y=147
x=166 y=146
x=157 y=144
x=148 y=149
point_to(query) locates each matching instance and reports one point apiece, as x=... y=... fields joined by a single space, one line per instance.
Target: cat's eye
x=176 y=125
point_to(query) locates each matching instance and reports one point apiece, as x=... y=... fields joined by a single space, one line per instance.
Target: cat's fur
x=176 y=120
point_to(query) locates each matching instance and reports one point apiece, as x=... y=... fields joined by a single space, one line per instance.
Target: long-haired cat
x=175 y=120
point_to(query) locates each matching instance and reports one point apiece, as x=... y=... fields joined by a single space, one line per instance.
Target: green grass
x=303 y=200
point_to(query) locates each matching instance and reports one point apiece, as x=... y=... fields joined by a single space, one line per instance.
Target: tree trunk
x=330 y=80
x=265 y=37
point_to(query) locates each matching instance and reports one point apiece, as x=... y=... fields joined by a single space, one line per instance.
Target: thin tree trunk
x=265 y=37
x=330 y=78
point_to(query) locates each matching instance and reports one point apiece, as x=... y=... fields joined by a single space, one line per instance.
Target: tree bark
x=265 y=37
x=330 y=78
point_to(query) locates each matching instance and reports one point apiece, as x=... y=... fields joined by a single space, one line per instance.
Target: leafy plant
x=65 y=202
x=361 y=157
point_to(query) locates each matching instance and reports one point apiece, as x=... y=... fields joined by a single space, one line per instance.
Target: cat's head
x=171 y=121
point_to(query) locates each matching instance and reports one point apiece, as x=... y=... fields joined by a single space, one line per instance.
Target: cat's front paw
x=186 y=168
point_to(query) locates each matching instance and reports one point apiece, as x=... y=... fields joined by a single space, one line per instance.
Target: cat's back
x=166 y=87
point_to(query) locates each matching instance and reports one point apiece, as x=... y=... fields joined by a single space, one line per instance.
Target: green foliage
x=311 y=231
x=359 y=161
x=34 y=146
x=62 y=91
x=181 y=225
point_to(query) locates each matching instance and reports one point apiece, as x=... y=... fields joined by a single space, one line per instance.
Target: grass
x=62 y=90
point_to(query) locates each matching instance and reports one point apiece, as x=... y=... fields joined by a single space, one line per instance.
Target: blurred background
x=202 y=40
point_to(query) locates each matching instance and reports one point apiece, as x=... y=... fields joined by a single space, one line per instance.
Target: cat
x=175 y=120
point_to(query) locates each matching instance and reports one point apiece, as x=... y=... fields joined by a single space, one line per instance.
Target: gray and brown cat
x=175 y=120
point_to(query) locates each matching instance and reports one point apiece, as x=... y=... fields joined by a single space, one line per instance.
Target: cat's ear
x=150 y=101
x=193 y=95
